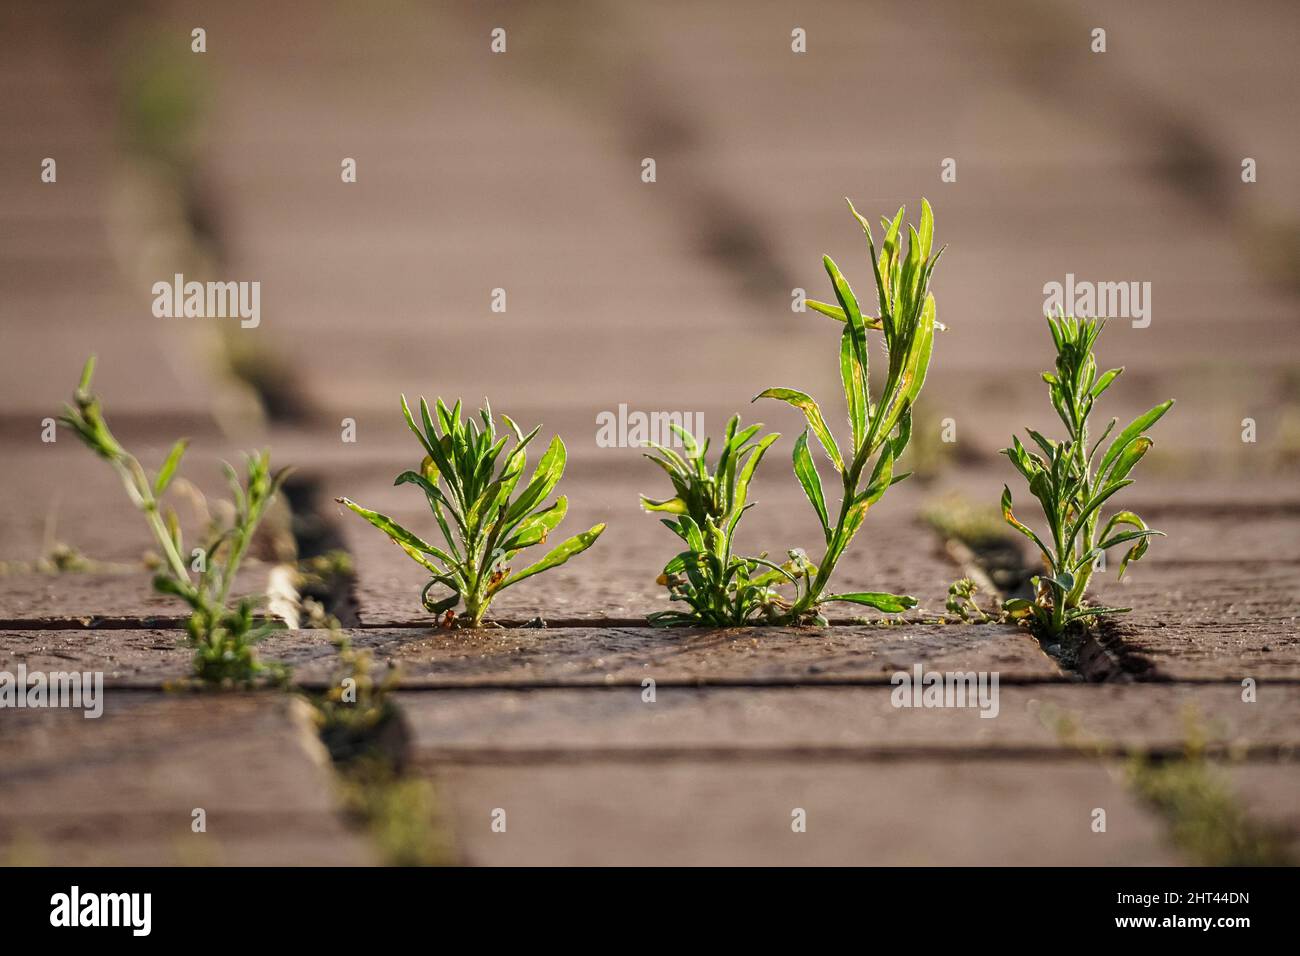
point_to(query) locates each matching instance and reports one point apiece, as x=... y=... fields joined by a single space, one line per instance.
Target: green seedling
x=721 y=587
x=1071 y=491
x=221 y=631
x=468 y=485
x=961 y=602
x=880 y=427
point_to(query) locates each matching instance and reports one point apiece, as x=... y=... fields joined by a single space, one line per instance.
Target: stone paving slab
x=846 y=723
x=578 y=655
x=121 y=789
x=1208 y=622
x=120 y=598
x=62 y=494
x=1270 y=794
x=628 y=654
x=906 y=812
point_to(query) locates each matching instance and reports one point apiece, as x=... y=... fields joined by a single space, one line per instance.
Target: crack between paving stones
x=431 y=759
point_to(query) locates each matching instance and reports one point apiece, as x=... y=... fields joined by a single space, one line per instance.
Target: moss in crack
x=362 y=729
x=399 y=812
x=1206 y=819
x=981 y=529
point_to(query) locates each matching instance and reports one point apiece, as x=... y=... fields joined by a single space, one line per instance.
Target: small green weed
x=1070 y=492
x=961 y=602
x=720 y=587
x=470 y=497
x=221 y=632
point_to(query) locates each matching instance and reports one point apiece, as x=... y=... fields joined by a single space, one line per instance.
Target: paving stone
x=906 y=812
x=62 y=494
x=1207 y=622
x=603 y=655
x=1270 y=795
x=121 y=789
x=585 y=655
x=845 y=723
x=121 y=598
x=140 y=658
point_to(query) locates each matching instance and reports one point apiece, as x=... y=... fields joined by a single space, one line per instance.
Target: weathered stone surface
x=63 y=495
x=629 y=655
x=1207 y=622
x=701 y=812
x=123 y=598
x=530 y=726
x=1270 y=795
x=121 y=789
x=587 y=655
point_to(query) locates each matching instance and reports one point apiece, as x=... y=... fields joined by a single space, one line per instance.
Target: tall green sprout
x=881 y=426
x=1069 y=490
x=720 y=587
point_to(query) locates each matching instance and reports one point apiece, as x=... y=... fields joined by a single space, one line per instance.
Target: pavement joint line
x=95 y=623
x=433 y=758
x=711 y=683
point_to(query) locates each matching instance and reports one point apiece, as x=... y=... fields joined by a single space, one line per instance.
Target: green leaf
x=1136 y=552
x=1018 y=607
x=447 y=603
x=415 y=546
x=575 y=545
x=843 y=292
x=673 y=506
x=882 y=476
x=1129 y=457
x=1126 y=536
x=811 y=412
x=87 y=373
x=168 y=469
x=747 y=473
x=1139 y=425
x=834 y=311
x=1104 y=382
x=548 y=473
x=1011 y=519
x=852 y=375
x=427 y=485
x=534 y=530
x=1092 y=505
x=927 y=228
x=806 y=471
x=881 y=601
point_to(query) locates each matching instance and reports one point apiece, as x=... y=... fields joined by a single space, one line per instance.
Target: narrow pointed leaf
x=575 y=545
x=813 y=413
x=806 y=471
x=168 y=469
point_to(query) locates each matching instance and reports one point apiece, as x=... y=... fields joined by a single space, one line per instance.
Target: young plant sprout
x=469 y=486
x=961 y=602
x=222 y=633
x=720 y=587
x=881 y=428
x=1068 y=489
